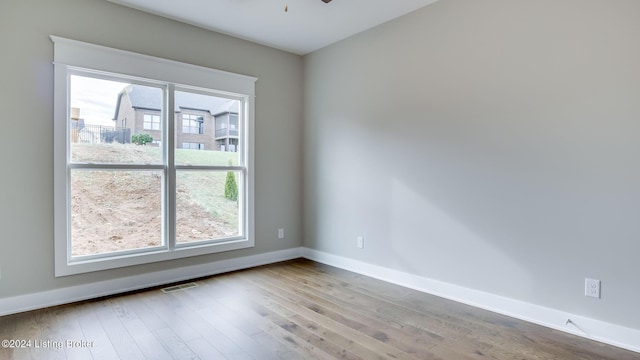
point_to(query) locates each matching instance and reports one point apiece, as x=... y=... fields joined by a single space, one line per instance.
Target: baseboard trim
x=623 y=337
x=71 y=294
x=619 y=336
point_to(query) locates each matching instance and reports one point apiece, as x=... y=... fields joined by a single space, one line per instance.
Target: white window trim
x=71 y=53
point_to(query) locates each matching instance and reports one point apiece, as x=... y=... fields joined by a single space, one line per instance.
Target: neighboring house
x=202 y=121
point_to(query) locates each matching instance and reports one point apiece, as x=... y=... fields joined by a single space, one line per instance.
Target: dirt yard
x=122 y=210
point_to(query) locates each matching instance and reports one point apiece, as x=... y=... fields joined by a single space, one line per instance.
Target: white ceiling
x=307 y=26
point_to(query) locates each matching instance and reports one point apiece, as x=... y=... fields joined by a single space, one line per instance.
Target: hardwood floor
x=293 y=310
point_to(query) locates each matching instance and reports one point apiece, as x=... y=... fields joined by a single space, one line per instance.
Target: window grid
x=151 y=122
x=105 y=63
x=192 y=124
x=167 y=165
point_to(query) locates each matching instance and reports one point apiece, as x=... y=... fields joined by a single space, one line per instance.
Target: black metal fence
x=96 y=134
x=123 y=136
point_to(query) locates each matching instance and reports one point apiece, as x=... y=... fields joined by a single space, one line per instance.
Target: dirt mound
x=122 y=210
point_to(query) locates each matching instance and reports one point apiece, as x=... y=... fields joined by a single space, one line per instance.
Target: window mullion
x=170 y=169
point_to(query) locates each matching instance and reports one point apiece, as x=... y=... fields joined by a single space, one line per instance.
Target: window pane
x=114 y=122
x=114 y=210
x=211 y=124
x=203 y=212
x=151 y=122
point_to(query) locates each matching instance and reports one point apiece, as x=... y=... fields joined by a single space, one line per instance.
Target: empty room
x=320 y=179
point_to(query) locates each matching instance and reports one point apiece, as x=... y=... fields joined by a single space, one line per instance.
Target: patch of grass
x=148 y=154
x=116 y=153
x=206 y=189
x=205 y=157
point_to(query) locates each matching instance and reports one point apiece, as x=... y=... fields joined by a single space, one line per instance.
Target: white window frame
x=71 y=55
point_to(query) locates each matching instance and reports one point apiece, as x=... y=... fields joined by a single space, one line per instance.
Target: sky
x=95 y=98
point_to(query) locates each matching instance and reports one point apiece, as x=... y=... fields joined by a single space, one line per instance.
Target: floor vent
x=180 y=287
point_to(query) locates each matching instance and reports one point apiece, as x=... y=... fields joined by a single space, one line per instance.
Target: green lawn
x=147 y=154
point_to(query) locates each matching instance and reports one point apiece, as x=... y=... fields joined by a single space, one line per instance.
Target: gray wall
x=26 y=138
x=490 y=144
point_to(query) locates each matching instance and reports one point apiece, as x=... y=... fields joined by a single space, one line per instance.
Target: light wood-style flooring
x=292 y=310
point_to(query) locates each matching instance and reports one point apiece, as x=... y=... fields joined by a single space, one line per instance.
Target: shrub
x=141 y=139
x=230 y=186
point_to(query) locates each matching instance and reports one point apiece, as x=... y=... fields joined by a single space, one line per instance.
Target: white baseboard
x=608 y=333
x=71 y=294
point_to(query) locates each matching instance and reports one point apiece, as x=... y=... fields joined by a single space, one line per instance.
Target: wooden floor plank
x=278 y=302
x=203 y=349
x=7 y=332
x=275 y=347
x=253 y=320
x=353 y=317
x=149 y=345
x=299 y=336
x=120 y=338
x=292 y=310
x=217 y=339
x=94 y=332
x=164 y=307
x=222 y=323
x=385 y=312
x=175 y=345
x=429 y=321
x=68 y=329
x=422 y=333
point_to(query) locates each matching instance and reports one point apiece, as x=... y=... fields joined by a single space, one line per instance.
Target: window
x=151 y=122
x=192 y=124
x=192 y=145
x=120 y=204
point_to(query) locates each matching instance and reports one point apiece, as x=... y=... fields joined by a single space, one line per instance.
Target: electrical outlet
x=360 y=242
x=592 y=288
x=280 y=233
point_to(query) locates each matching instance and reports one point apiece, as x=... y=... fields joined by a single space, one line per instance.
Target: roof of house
x=146 y=97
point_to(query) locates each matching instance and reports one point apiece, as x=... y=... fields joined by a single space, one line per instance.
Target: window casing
x=74 y=58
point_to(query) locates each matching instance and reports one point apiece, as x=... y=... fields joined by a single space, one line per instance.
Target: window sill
x=66 y=266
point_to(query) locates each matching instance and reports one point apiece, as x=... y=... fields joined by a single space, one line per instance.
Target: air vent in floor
x=180 y=287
